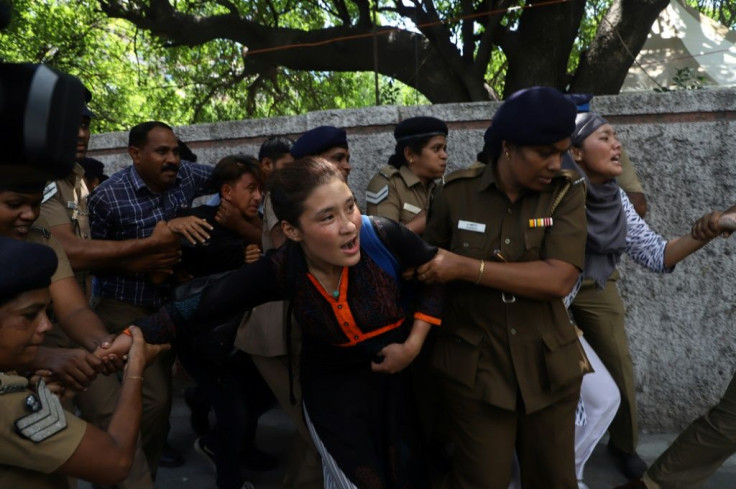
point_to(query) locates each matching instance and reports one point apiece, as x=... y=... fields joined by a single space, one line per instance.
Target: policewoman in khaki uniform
x=402 y=189
x=509 y=360
x=40 y=443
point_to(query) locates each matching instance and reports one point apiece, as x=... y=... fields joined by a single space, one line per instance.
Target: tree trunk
x=539 y=50
x=620 y=37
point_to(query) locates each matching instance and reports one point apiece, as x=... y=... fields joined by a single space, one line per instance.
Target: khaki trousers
x=97 y=403
x=305 y=467
x=600 y=314
x=485 y=438
x=699 y=450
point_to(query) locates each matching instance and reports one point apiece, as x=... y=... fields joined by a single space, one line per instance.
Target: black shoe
x=258 y=461
x=199 y=412
x=170 y=457
x=630 y=464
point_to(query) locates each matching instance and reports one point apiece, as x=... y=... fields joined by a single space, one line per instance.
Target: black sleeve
x=408 y=248
x=239 y=291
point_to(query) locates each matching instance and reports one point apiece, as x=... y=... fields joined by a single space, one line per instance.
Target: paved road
x=275 y=432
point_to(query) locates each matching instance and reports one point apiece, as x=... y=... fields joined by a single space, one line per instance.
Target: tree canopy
x=191 y=61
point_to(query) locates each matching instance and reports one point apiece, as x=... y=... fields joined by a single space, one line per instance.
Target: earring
x=411 y=161
x=508 y=156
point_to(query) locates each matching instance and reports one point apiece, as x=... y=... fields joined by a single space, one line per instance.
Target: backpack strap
x=372 y=244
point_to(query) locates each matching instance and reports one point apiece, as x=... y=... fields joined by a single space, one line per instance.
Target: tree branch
x=620 y=37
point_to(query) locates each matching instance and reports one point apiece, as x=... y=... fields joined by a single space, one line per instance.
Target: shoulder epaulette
x=571 y=176
x=388 y=171
x=47 y=417
x=42 y=231
x=463 y=173
x=10 y=384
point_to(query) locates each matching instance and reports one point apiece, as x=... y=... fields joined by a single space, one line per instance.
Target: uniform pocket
x=469 y=243
x=564 y=359
x=533 y=238
x=456 y=354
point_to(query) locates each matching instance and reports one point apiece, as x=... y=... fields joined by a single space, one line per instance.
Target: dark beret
x=318 y=140
x=24 y=179
x=419 y=127
x=529 y=117
x=585 y=125
x=25 y=266
x=87 y=99
x=93 y=168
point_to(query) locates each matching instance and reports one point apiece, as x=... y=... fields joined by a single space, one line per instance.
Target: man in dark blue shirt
x=126 y=206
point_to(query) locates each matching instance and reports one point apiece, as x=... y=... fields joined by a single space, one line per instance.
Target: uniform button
x=508 y=210
x=355 y=337
x=345 y=324
x=513 y=331
x=339 y=306
x=466 y=244
x=507 y=241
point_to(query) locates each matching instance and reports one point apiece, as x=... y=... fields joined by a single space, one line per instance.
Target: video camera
x=40 y=112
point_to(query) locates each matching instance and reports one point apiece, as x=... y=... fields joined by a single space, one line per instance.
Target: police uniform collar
x=408 y=176
x=488 y=177
x=77 y=172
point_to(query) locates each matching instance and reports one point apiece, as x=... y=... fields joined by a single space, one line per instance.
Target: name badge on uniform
x=475 y=227
x=541 y=222
x=71 y=204
x=412 y=208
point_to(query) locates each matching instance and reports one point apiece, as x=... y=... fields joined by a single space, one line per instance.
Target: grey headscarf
x=606 y=219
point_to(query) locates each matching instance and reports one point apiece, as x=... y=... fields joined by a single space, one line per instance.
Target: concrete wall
x=683 y=146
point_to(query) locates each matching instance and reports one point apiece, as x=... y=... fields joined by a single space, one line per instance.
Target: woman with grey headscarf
x=614 y=228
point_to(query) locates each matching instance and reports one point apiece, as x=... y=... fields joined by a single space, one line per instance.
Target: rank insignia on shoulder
x=541 y=222
x=47 y=417
x=49 y=191
x=10 y=384
x=377 y=197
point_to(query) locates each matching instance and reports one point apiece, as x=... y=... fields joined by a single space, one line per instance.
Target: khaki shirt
x=397 y=194
x=24 y=463
x=497 y=345
x=65 y=202
x=39 y=234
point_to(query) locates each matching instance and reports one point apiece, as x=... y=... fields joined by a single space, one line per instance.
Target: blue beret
x=581 y=100
x=419 y=127
x=94 y=168
x=25 y=266
x=529 y=117
x=318 y=140
x=585 y=125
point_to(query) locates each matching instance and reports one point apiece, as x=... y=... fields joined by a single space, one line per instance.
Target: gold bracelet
x=480 y=272
x=133 y=377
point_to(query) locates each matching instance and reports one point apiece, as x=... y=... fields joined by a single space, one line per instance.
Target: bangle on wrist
x=480 y=271
x=133 y=377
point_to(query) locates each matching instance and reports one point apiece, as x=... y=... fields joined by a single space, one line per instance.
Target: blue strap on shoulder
x=372 y=244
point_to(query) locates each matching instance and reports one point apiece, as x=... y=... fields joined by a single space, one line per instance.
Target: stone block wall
x=683 y=145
